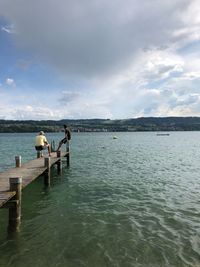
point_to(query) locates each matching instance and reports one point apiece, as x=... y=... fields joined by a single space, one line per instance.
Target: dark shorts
x=64 y=140
x=39 y=148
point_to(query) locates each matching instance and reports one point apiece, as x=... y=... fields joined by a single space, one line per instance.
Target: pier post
x=59 y=163
x=18 y=161
x=58 y=153
x=68 y=153
x=48 y=170
x=15 y=210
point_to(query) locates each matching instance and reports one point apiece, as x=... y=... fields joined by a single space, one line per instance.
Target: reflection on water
x=130 y=201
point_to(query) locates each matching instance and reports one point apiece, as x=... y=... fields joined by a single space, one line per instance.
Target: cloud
x=69 y=96
x=118 y=59
x=159 y=83
x=83 y=104
x=36 y=113
x=29 y=112
x=10 y=82
x=8 y=29
x=94 y=38
x=162 y=65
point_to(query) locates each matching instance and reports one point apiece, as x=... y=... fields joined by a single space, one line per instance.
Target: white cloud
x=31 y=112
x=159 y=83
x=8 y=29
x=10 y=82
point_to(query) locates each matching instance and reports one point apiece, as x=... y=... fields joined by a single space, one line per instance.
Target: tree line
x=96 y=125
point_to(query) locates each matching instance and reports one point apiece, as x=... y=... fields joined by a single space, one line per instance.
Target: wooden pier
x=14 y=180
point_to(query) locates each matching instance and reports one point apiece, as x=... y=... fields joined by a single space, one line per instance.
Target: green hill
x=96 y=125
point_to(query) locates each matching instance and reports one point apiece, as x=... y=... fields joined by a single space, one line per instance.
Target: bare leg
x=49 y=149
x=60 y=144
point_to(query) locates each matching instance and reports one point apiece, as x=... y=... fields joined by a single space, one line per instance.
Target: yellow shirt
x=40 y=140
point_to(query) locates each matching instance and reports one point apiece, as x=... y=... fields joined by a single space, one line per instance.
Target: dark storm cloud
x=92 y=38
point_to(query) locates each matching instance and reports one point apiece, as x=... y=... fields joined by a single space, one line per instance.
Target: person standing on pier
x=66 y=138
x=42 y=143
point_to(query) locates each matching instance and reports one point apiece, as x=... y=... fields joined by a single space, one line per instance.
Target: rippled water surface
x=131 y=201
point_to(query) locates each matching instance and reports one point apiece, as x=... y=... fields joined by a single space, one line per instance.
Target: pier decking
x=28 y=171
x=15 y=179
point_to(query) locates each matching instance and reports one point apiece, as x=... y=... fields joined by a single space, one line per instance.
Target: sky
x=82 y=59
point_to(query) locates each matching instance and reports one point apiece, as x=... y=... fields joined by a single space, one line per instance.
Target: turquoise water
x=131 y=201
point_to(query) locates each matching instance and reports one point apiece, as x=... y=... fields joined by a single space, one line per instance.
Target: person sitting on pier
x=42 y=143
x=66 y=138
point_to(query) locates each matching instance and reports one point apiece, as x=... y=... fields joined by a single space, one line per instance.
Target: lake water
x=131 y=201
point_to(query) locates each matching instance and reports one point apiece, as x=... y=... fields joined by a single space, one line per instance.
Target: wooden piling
x=47 y=161
x=18 y=161
x=68 y=153
x=47 y=174
x=15 y=209
x=59 y=162
x=58 y=153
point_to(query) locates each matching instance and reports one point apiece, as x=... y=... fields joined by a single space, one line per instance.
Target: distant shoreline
x=143 y=124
